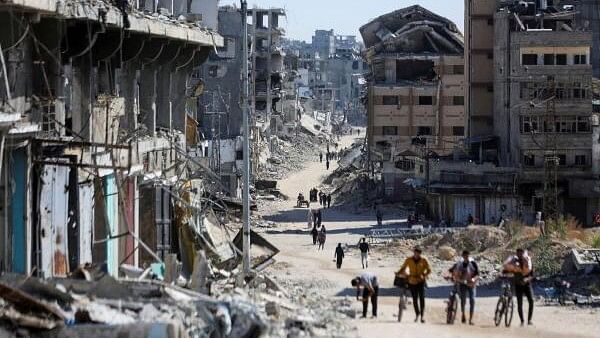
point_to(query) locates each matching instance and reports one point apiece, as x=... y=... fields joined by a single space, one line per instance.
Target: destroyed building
x=107 y=96
x=415 y=90
x=543 y=107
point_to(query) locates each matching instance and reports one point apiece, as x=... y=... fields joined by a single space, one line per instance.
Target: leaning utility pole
x=246 y=147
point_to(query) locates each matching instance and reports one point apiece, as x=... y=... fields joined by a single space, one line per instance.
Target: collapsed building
x=415 y=90
x=106 y=96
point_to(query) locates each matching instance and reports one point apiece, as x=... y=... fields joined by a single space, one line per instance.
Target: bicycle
x=505 y=306
x=452 y=303
x=402 y=285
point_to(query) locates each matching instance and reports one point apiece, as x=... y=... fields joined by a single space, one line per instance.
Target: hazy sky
x=346 y=16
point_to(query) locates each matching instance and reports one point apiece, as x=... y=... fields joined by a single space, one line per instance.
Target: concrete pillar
x=147 y=97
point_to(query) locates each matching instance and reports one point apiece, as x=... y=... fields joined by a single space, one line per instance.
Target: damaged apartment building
x=220 y=110
x=415 y=91
x=106 y=93
x=543 y=107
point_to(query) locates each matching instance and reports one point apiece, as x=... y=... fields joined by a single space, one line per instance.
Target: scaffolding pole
x=246 y=146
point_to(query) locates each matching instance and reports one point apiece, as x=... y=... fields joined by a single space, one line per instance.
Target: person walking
x=315 y=234
x=322 y=238
x=327 y=165
x=379 y=216
x=363 y=246
x=328 y=201
x=465 y=272
x=522 y=268
x=321 y=157
x=319 y=217
x=321 y=197
x=418 y=271
x=368 y=282
x=338 y=256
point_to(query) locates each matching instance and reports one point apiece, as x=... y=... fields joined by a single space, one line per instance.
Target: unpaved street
x=300 y=260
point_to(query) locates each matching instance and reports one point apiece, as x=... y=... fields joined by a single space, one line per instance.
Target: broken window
x=458 y=131
x=583 y=124
x=424 y=130
x=425 y=100
x=529 y=160
x=415 y=70
x=458 y=100
x=580 y=160
x=549 y=60
x=561 y=59
x=529 y=60
x=562 y=159
x=390 y=130
x=580 y=59
x=389 y=100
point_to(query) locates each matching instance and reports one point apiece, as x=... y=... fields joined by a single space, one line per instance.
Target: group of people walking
x=415 y=271
x=323 y=198
x=363 y=246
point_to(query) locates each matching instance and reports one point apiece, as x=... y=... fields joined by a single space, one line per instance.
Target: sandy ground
x=300 y=260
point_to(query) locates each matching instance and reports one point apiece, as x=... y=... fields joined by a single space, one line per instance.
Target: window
x=355 y=65
x=529 y=160
x=424 y=131
x=565 y=124
x=560 y=91
x=213 y=70
x=490 y=22
x=390 y=130
x=549 y=60
x=529 y=60
x=425 y=100
x=458 y=100
x=583 y=124
x=561 y=59
x=580 y=160
x=580 y=59
x=389 y=100
x=405 y=164
x=239 y=155
x=459 y=69
x=562 y=159
x=559 y=159
x=458 y=131
x=578 y=91
x=490 y=89
x=490 y=56
x=529 y=124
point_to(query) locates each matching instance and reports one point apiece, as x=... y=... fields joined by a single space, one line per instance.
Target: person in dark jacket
x=315 y=235
x=338 y=256
x=328 y=201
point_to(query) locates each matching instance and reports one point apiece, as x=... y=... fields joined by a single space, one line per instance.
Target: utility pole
x=246 y=146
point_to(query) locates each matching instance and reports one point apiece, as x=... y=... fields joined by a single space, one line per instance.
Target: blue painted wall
x=18 y=211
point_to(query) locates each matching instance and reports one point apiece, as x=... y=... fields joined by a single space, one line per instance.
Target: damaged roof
x=413 y=30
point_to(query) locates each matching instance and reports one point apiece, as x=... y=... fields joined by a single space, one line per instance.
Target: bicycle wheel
x=451 y=310
x=510 y=307
x=500 y=306
x=401 y=307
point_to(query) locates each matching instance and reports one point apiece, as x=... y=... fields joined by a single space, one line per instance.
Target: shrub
x=546 y=262
x=595 y=241
x=562 y=226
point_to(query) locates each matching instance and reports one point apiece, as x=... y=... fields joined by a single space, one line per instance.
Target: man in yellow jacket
x=418 y=270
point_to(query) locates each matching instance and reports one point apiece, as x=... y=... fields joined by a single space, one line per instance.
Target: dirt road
x=300 y=260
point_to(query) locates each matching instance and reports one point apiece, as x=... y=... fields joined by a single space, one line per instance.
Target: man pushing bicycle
x=465 y=273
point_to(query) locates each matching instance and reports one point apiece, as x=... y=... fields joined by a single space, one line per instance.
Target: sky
x=346 y=16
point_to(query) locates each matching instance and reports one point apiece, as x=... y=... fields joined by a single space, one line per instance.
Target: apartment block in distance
x=416 y=89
